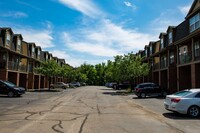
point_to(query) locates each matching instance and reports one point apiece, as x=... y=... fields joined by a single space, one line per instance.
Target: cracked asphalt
x=90 y=109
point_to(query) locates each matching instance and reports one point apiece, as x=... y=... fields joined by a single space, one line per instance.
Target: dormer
x=55 y=59
x=151 y=48
x=50 y=56
x=17 y=42
x=7 y=34
x=32 y=47
x=146 y=48
x=170 y=33
x=194 y=16
x=62 y=62
x=163 y=40
x=45 y=55
x=38 y=52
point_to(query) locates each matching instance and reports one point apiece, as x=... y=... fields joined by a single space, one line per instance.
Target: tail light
x=137 y=89
x=175 y=100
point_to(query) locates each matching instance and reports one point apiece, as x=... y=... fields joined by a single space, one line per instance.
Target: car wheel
x=11 y=94
x=142 y=95
x=193 y=111
x=51 y=87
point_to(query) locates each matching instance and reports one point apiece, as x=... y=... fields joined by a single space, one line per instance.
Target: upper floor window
x=33 y=50
x=197 y=49
x=161 y=43
x=171 y=58
x=38 y=52
x=18 y=44
x=8 y=37
x=151 y=51
x=170 y=37
x=146 y=52
x=195 y=22
x=46 y=56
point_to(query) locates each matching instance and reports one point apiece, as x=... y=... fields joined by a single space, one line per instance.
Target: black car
x=123 y=86
x=150 y=89
x=10 y=89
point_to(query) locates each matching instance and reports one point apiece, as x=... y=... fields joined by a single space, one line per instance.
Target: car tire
x=193 y=111
x=142 y=95
x=11 y=94
x=51 y=87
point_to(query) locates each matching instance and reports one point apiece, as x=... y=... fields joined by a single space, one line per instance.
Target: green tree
x=49 y=69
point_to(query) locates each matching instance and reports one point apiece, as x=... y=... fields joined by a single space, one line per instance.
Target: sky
x=91 y=31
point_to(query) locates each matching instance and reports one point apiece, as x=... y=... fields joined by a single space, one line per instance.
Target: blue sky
x=91 y=31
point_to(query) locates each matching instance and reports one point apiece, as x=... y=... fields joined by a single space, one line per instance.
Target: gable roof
x=194 y=8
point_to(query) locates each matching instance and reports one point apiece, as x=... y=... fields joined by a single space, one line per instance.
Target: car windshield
x=9 y=83
x=182 y=93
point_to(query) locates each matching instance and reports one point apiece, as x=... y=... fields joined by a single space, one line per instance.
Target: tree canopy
x=122 y=68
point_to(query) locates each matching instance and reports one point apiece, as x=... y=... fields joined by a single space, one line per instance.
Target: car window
x=1 y=85
x=9 y=83
x=182 y=93
x=198 y=95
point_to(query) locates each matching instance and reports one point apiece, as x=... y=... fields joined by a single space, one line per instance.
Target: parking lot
x=90 y=109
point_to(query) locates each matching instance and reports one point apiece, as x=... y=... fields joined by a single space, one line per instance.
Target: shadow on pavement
x=117 y=93
x=177 y=116
x=56 y=90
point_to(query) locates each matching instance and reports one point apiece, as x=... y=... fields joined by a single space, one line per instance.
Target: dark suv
x=150 y=89
x=10 y=89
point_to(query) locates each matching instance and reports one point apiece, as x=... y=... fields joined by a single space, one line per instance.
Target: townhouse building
x=18 y=59
x=175 y=58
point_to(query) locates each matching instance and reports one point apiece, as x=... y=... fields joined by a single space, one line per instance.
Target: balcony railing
x=163 y=64
x=23 y=68
x=13 y=65
x=2 y=64
x=197 y=54
x=185 y=57
x=156 y=66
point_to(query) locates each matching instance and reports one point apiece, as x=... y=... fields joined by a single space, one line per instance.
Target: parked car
x=150 y=89
x=110 y=85
x=59 y=85
x=10 y=89
x=184 y=102
x=74 y=84
x=121 y=86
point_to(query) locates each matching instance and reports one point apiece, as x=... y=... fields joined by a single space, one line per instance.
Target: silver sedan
x=184 y=102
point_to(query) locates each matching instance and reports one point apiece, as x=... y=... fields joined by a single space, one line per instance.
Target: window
x=184 y=50
x=151 y=50
x=33 y=51
x=171 y=58
x=146 y=52
x=162 y=43
x=170 y=38
x=197 y=49
x=197 y=95
x=46 y=56
x=8 y=37
x=38 y=52
x=195 y=22
x=18 y=44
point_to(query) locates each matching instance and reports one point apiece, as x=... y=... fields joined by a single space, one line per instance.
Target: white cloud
x=106 y=39
x=72 y=60
x=87 y=7
x=129 y=4
x=15 y=14
x=184 y=9
x=41 y=37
